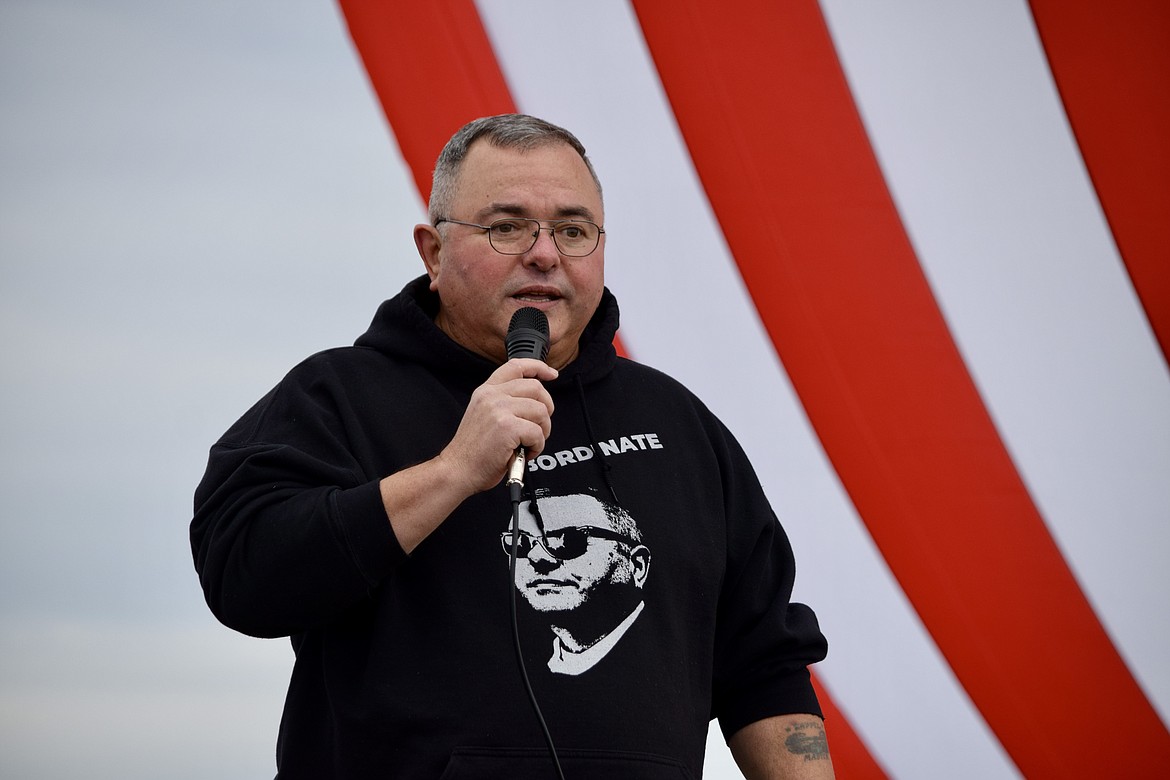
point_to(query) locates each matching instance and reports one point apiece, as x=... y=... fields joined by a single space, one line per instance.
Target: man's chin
x=544 y=600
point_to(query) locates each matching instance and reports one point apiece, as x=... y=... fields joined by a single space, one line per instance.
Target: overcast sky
x=187 y=208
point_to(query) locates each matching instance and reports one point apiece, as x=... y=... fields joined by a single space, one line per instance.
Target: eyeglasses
x=515 y=235
x=564 y=544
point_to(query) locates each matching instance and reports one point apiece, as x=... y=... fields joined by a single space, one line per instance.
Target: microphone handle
x=516 y=468
x=527 y=337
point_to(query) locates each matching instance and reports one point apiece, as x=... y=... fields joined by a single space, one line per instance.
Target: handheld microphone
x=527 y=338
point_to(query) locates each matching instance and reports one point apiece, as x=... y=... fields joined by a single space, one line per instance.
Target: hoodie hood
x=404 y=328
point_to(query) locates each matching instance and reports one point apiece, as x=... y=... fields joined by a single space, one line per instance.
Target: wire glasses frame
x=517 y=235
x=564 y=544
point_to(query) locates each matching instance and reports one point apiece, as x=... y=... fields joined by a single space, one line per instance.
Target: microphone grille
x=527 y=334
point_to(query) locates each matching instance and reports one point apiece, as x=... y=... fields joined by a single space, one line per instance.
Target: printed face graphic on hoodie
x=580 y=562
x=572 y=546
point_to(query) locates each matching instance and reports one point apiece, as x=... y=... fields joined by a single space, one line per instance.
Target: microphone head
x=527 y=334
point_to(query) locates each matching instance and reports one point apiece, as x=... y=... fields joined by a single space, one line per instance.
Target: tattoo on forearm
x=807 y=740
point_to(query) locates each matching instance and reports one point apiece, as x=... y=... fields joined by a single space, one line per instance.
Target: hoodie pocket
x=471 y=763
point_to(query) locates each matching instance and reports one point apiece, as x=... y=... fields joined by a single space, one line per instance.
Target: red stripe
x=1111 y=62
x=779 y=146
x=433 y=70
x=851 y=758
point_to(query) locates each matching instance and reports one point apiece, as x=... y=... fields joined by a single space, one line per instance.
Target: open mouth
x=537 y=296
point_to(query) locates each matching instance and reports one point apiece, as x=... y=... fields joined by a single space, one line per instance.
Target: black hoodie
x=405 y=665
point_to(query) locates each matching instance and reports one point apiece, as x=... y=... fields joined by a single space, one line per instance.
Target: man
x=346 y=510
x=581 y=562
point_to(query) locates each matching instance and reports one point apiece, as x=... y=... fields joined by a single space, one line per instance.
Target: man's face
x=480 y=288
x=551 y=584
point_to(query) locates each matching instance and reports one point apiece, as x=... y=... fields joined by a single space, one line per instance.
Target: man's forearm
x=784 y=747
x=418 y=499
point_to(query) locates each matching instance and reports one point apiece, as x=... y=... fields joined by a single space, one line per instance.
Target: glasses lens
x=567 y=543
x=576 y=238
x=523 y=546
x=513 y=236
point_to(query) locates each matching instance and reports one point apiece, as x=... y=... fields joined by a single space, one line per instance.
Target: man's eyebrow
x=516 y=210
x=575 y=212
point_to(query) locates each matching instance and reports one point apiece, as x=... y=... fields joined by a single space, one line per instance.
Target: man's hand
x=785 y=747
x=511 y=409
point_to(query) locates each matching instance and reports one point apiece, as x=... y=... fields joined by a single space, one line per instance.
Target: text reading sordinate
x=618 y=446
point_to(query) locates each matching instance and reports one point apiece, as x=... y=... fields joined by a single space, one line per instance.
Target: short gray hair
x=620 y=520
x=505 y=131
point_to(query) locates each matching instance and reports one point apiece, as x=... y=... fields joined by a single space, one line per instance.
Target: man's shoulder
x=668 y=395
x=633 y=368
x=335 y=359
x=336 y=369
x=647 y=376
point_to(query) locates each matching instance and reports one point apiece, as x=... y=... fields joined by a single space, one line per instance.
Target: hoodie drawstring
x=605 y=464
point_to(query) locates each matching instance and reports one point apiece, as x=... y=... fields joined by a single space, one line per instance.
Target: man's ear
x=428 y=242
x=640 y=558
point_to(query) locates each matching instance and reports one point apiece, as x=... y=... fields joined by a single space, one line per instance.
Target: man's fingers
x=523 y=368
x=511 y=409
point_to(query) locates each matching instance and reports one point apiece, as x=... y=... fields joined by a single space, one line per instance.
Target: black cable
x=552 y=750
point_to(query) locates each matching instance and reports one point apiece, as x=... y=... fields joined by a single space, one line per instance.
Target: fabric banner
x=885 y=245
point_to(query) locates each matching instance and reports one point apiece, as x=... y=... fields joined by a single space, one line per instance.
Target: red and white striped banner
x=917 y=256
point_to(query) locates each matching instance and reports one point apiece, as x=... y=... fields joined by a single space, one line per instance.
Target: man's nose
x=539 y=556
x=543 y=565
x=544 y=253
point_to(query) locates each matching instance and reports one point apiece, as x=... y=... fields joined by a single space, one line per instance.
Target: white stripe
x=684 y=310
x=969 y=128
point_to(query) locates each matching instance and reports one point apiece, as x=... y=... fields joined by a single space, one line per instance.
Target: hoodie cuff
x=789 y=695
x=361 y=519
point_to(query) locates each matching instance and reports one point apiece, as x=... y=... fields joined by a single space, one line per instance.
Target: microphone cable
x=515 y=489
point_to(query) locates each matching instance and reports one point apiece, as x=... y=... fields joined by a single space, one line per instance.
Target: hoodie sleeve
x=288 y=532
x=764 y=642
